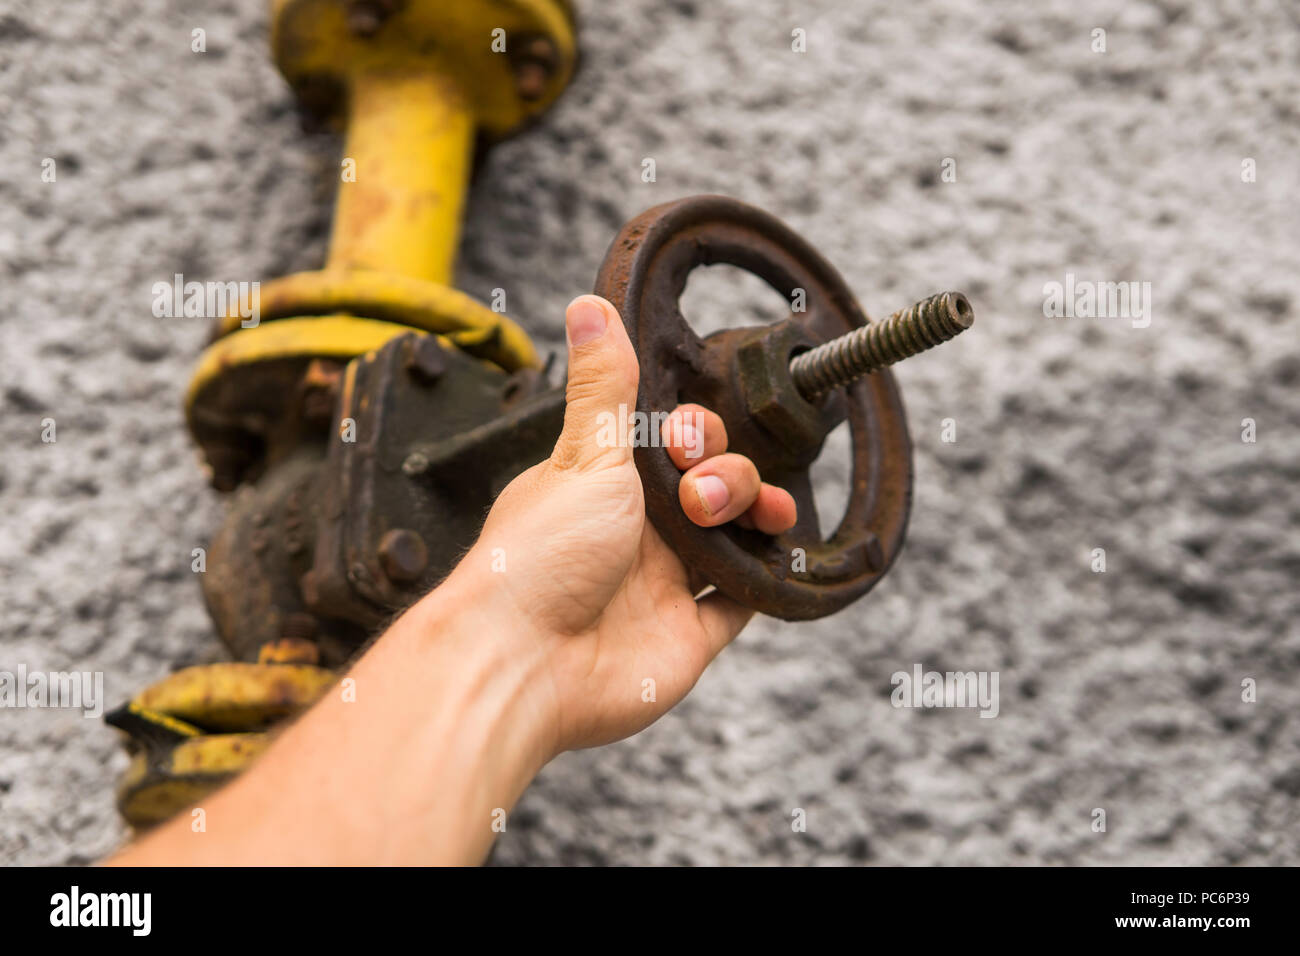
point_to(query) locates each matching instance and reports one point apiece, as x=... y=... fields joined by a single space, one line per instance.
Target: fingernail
x=584 y=321
x=713 y=493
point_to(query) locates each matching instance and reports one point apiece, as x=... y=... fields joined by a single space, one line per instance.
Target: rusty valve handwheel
x=744 y=376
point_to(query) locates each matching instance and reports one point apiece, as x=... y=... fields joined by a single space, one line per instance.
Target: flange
x=508 y=59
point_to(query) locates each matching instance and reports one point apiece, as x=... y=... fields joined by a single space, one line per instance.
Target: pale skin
x=476 y=687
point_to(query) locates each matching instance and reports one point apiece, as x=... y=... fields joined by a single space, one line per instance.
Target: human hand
x=581 y=583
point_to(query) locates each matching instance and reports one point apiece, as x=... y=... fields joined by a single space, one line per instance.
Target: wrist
x=482 y=670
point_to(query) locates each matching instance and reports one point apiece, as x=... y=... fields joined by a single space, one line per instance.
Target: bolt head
x=535 y=62
x=416 y=464
x=425 y=360
x=403 y=555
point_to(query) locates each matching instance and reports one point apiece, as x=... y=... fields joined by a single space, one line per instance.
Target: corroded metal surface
x=439 y=435
x=195 y=729
x=375 y=507
x=743 y=375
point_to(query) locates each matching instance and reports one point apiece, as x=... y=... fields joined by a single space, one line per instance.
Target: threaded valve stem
x=841 y=361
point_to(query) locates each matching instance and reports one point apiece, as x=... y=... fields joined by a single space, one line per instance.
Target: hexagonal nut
x=763 y=368
x=425 y=359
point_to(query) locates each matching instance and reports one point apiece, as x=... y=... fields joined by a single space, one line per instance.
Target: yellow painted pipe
x=406 y=170
x=414 y=85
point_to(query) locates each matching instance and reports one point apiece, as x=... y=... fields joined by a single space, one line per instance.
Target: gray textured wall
x=1119 y=690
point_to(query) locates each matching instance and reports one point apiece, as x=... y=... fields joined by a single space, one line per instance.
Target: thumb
x=600 y=395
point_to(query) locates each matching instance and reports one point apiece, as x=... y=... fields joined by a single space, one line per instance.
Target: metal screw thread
x=917 y=328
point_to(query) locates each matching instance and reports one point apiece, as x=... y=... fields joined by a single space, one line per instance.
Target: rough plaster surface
x=1118 y=690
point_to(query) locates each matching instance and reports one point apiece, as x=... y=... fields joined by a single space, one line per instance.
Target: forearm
x=441 y=729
